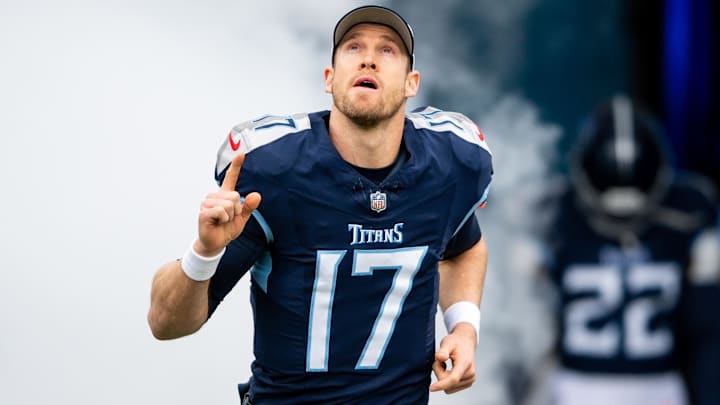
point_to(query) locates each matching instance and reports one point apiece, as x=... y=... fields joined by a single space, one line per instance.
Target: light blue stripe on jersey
x=264 y=225
x=472 y=210
x=261 y=270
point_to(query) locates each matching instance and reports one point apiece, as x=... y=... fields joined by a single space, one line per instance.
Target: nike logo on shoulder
x=233 y=145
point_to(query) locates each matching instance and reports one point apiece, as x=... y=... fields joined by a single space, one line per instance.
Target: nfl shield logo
x=378 y=201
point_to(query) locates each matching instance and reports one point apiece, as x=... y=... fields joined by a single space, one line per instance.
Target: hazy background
x=111 y=113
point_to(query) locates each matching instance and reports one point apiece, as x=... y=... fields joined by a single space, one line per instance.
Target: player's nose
x=368 y=63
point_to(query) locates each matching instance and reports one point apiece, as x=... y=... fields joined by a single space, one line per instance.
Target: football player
x=635 y=258
x=354 y=223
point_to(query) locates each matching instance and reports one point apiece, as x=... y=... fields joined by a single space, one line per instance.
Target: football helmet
x=620 y=164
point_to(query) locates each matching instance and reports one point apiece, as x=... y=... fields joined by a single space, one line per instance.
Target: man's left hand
x=459 y=348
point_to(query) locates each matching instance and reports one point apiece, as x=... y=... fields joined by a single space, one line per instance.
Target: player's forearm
x=178 y=305
x=462 y=277
x=461 y=282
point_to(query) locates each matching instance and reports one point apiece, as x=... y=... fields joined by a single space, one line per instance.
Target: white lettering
x=360 y=235
x=397 y=229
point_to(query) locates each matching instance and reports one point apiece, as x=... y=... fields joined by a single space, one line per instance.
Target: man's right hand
x=222 y=214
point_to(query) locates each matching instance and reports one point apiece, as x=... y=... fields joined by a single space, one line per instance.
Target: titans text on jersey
x=362 y=235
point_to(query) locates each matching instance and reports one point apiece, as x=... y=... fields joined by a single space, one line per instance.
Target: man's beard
x=369 y=116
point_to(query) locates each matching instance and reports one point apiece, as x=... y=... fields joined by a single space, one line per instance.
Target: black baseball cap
x=376 y=15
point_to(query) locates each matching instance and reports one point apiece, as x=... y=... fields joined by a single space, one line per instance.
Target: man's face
x=370 y=77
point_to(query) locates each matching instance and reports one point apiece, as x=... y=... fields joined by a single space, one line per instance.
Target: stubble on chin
x=366 y=114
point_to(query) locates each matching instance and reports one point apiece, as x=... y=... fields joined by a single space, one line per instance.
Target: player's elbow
x=166 y=326
x=159 y=326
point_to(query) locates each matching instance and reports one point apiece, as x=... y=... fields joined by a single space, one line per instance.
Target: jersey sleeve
x=465 y=145
x=254 y=134
x=241 y=254
x=251 y=246
x=468 y=235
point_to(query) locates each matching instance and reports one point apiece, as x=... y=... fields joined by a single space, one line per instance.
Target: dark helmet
x=620 y=164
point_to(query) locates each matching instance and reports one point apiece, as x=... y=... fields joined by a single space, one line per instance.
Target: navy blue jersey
x=344 y=295
x=628 y=304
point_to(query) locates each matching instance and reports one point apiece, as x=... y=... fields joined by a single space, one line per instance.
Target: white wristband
x=463 y=311
x=199 y=268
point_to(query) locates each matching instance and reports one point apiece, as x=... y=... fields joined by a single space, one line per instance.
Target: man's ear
x=329 y=74
x=412 y=83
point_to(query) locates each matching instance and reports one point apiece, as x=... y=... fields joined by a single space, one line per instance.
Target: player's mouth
x=366 y=82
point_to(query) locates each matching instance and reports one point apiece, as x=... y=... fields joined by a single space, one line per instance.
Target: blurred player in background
x=634 y=255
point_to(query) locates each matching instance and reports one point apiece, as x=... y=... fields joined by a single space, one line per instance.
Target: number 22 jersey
x=637 y=309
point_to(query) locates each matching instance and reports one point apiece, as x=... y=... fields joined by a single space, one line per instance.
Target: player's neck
x=370 y=148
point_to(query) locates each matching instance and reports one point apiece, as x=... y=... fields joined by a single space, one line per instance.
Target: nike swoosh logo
x=480 y=132
x=233 y=144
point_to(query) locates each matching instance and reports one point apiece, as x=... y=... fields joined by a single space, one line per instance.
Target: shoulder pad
x=445 y=121
x=250 y=135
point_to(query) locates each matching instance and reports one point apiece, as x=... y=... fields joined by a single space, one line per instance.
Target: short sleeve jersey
x=345 y=295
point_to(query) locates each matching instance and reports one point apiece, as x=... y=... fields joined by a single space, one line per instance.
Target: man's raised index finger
x=233 y=173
